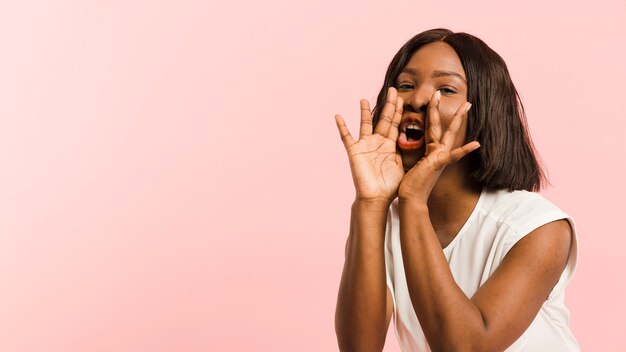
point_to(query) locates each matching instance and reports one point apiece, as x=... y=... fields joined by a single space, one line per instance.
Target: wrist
x=414 y=204
x=413 y=193
x=370 y=204
x=412 y=198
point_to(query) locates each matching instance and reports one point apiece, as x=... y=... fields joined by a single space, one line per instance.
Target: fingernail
x=438 y=95
x=469 y=105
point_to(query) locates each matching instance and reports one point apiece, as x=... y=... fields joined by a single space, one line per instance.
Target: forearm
x=361 y=304
x=450 y=320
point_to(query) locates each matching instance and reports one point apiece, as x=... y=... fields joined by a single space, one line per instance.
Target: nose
x=418 y=99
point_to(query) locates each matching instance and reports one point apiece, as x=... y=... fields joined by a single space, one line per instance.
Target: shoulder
x=521 y=211
x=502 y=202
x=537 y=231
x=548 y=244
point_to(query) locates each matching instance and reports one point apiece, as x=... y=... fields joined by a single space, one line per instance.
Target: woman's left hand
x=419 y=181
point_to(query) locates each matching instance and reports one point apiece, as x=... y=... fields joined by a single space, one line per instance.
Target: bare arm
x=363 y=312
x=362 y=315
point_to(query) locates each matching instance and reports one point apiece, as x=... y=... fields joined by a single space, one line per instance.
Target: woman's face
x=435 y=66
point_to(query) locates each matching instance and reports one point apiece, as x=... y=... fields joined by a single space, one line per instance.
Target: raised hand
x=440 y=152
x=374 y=161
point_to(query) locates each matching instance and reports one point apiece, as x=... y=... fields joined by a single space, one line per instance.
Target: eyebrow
x=435 y=73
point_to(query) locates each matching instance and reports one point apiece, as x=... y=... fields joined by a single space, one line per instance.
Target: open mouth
x=413 y=132
x=411 y=135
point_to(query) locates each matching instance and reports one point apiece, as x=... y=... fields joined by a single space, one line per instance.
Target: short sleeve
x=534 y=215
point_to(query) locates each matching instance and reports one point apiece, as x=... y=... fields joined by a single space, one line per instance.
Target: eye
x=404 y=87
x=447 y=91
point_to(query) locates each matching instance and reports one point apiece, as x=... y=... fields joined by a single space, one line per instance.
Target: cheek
x=446 y=114
x=449 y=107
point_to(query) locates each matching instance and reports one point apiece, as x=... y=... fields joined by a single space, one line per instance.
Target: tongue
x=406 y=143
x=414 y=136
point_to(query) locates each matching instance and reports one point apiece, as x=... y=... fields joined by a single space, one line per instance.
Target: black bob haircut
x=507 y=158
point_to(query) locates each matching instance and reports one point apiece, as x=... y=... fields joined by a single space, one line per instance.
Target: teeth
x=413 y=126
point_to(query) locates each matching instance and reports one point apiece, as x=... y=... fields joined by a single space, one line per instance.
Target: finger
x=395 y=123
x=366 y=119
x=446 y=158
x=460 y=152
x=386 y=115
x=431 y=148
x=450 y=134
x=433 y=132
x=346 y=137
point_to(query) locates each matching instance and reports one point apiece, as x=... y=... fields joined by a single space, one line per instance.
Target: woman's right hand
x=375 y=163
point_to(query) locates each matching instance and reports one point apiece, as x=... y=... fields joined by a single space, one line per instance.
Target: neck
x=452 y=201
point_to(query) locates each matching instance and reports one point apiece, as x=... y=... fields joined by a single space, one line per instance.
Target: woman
x=445 y=161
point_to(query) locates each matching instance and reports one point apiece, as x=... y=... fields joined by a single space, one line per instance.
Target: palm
x=376 y=167
x=375 y=164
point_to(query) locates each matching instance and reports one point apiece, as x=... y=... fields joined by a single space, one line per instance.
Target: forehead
x=437 y=56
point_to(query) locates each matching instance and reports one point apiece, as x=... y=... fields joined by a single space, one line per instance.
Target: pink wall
x=172 y=179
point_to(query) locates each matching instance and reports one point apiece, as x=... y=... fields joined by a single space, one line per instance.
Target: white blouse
x=499 y=220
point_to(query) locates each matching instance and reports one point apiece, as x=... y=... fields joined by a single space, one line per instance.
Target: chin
x=410 y=159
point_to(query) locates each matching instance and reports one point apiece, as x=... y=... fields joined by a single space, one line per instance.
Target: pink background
x=172 y=179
